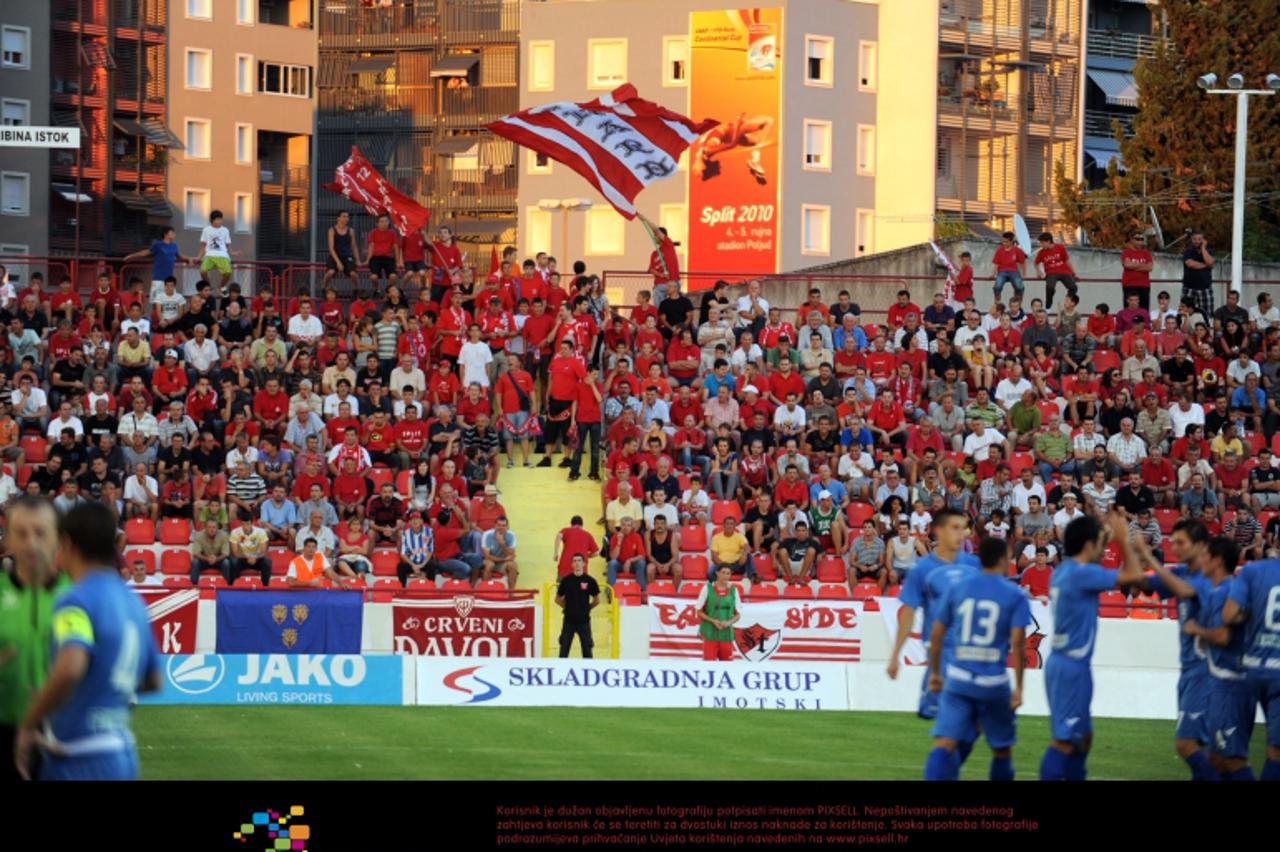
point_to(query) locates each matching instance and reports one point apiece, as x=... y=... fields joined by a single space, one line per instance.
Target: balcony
x=347 y=23
x=1121 y=45
x=1098 y=122
x=984 y=24
x=474 y=189
x=150 y=16
x=277 y=178
x=481 y=21
x=473 y=106
x=150 y=172
x=376 y=109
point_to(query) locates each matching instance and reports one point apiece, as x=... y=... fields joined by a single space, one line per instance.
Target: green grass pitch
x=548 y=743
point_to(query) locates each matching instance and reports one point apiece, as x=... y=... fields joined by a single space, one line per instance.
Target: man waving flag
x=619 y=142
x=358 y=180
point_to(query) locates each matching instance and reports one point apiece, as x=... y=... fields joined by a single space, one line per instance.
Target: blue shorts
x=107 y=766
x=1069 y=688
x=1266 y=691
x=1231 y=709
x=962 y=717
x=516 y=419
x=1194 y=688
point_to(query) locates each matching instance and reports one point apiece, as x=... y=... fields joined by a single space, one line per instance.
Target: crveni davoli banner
x=464 y=626
x=819 y=630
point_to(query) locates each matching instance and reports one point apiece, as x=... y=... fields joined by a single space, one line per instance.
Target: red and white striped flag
x=359 y=181
x=619 y=142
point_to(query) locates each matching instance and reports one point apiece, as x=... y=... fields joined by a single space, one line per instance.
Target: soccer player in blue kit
x=1254 y=603
x=1231 y=701
x=982 y=615
x=103 y=654
x=1073 y=599
x=1190 y=538
x=923 y=588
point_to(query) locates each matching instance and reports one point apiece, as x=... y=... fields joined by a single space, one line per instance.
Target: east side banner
x=913 y=653
x=263 y=622
x=464 y=626
x=816 y=631
x=173 y=614
x=735 y=74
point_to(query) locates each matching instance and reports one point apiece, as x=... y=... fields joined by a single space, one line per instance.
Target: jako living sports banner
x=814 y=631
x=735 y=74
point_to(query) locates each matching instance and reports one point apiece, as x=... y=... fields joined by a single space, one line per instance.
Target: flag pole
x=648 y=229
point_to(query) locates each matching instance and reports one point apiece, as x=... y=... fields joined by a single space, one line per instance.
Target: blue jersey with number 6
x=1256 y=590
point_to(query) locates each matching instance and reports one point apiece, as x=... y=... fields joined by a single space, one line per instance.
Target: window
x=199 y=68
x=606 y=62
x=275 y=78
x=605 y=232
x=868 y=73
x=675 y=61
x=864 y=242
x=244 y=74
x=199 y=139
x=244 y=144
x=866 y=149
x=942 y=163
x=246 y=12
x=817 y=146
x=14 y=113
x=539 y=164
x=16 y=45
x=815 y=228
x=196 y=206
x=675 y=218
x=15 y=193
x=819 y=65
x=537 y=229
x=202 y=9
x=542 y=66
x=244 y=213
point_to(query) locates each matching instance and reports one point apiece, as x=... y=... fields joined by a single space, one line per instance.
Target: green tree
x=1183 y=140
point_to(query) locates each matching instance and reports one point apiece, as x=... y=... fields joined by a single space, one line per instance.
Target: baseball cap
x=491 y=489
x=750 y=389
x=824 y=494
x=171 y=353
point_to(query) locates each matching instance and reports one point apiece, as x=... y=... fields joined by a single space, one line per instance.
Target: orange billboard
x=735 y=74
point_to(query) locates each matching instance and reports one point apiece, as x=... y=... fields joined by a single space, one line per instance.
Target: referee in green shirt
x=29 y=584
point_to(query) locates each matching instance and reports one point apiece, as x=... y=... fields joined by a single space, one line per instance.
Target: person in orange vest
x=309 y=569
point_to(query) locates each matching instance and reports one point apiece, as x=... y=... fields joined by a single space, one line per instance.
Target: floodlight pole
x=1237 y=200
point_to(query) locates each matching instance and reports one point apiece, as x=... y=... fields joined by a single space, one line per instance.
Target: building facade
x=24 y=100
x=1120 y=33
x=412 y=83
x=241 y=97
x=825 y=125
x=1008 y=107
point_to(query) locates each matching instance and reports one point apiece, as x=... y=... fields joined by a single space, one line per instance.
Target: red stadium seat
x=280 y=560
x=694 y=567
x=763 y=591
x=832 y=569
x=765 y=569
x=385 y=563
x=213 y=581
x=627 y=590
x=420 y=584
x=24 y=475
x=176 y=583
x=1113 y=604
x=176 y=563
x=139 y=531
x=1145 y=607
x=662 y=587
x=865 y=591
x=135 y=554
x=1265 y=516
x=840 y=592
x=340 y=531
x=858 y=513
x=1019 y=462
x=722 y=509
x=1166 y=518
x=693 y=539
x=1111 y=555
x=175 y=531
x=380 y=583
x=690 y=588
x=379 y=476
x=682 y=479
x=1275 y=444
x=794 y=591
x=892 y=591
x=1047 y=409
x=404 y=479
x=455 y=586
x=247 y=582
x=493 y=589
x=35 y=448
x=278 y=583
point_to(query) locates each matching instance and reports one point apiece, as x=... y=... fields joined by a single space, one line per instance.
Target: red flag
x=359 y=181
x=618 y=142
x=494 y=265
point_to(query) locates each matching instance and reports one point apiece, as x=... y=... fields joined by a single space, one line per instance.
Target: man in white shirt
x=170 y=304
x=475 y=359
x=138 y=321
x=141 y=494
x=242 y=452
x=304 y=326
x=215 y=250
x=200 y=353
x=326 y=543
x=64 y=420
x=1069 y=512
x=1028 y=486
x=789 y=419
x=1011 y=389
x=333 y=402
x=406 y=374
x=1265 y=315
x=752 y=306
x=139 y=420
x=1241 y=367
x=980 y=440
x=1184 y=413
x=965 y=334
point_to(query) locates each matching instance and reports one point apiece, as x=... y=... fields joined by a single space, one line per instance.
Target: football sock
x=1075 y=766
x=1002 y=769
x=1201 y=769
x=942 y=765
x=1245 y=774
x=1271 y=770
x=1053 y=767
x=963 y=749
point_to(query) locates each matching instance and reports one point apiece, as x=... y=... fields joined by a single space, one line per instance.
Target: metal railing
x=1100 y=123
x=1122 y=45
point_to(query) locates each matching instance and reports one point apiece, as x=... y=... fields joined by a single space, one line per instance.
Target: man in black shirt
x=174 y=460
x=370 y=374
x=199 y=313
x=759 y=431
x=674 y=311
x=50 y=477
x=1135 y=498
x=796 y=557
x=826 y=382
x=945 y=358
x=1180 y=371
x=108 y=449
x=1217 y=417
x=1197 y=274
x=844 y=306
x=91 y=483
x=1230 y=311
x=663 y=480
x=717 y=295
x=1056 y=493
x=303 y=367
x=1264 y=483
x=577 y=595
x=208 y=457
x=72 y=454
x=67 y=380
x=760 y=523
x=99 y=423
x=235 y=327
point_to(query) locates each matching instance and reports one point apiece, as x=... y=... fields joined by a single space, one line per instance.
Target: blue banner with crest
x=262 y=622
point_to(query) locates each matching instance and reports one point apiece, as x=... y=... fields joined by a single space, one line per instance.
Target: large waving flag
x=358 y=180
x=619 y=142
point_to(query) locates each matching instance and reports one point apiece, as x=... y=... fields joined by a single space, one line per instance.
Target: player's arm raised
x=1176 y=586
x=1131 y=570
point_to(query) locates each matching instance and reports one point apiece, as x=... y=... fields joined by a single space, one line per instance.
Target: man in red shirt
x=350 y=491
x=169 y=381
x=898 y=310
x=444 y=385
x=378 y=437
x=791 y=489
x=312 y=476
x=446 y=264
x=588 y=416
x=413 y=256
x=516 y=400
x=664 y=265
x=785 y=381
x=1010 y=263
x=411 y=435
x=383 y=258
x=497 y=326
x=564 y=373
x=1138 y=263
x=573 y=541
x=1159 y=475
x=271 y=408
x=886 y=421
x=537 y=333
x=452 y=327
x=881 y=364
x=814 y=304
x=1055 y=266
